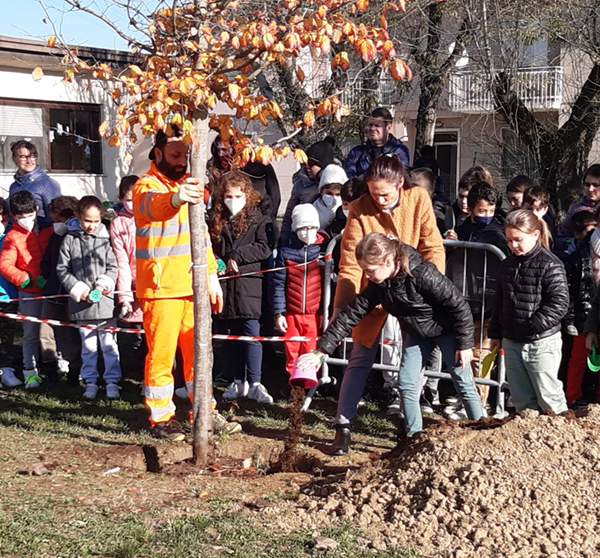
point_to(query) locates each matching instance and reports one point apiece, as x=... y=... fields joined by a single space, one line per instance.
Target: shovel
x=488 y=362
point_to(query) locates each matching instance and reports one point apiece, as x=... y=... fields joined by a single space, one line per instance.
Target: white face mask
x=346 y=212
x=235 y=205
x=2 y=229
x=331 y=201
x=129 y=205
x=307 y=236
x=60 y=228
x=27 y=222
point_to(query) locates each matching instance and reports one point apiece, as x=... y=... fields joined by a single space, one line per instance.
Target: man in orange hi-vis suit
x=164 y=280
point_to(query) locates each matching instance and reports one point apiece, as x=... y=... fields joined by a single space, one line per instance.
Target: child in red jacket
x=20 y=260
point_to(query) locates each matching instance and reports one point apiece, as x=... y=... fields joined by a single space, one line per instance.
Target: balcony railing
x=386 y=93
x=538 y=88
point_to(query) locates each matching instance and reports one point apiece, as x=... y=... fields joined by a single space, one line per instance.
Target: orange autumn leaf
x=362 y=4
x=37 y=74
x=300 y=74
x=341 y=60
x=300 y=156
x=51 y=41
x=366 y=49
x=309 y=119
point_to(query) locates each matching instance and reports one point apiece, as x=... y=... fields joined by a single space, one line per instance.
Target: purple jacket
x=566 y=230
x=43 y=188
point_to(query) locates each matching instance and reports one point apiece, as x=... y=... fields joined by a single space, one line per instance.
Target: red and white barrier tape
x=217 y=336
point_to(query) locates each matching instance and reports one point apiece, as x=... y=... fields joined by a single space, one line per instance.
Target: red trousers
x=305 y=325
x=577 y=369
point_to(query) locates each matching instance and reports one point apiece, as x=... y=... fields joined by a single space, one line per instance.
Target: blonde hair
x=526 y=221
x=374 y=248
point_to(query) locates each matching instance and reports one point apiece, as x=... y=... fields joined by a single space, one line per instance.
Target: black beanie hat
x=322 y=152
x=162 y=138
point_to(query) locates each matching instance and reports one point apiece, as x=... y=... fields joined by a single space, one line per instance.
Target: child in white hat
x=329 y=200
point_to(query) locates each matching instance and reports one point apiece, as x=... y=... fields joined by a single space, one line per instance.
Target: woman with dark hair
x=239 y=228
x=392 y=207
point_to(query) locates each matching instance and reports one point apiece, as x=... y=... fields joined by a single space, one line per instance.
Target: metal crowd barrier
x=500 y=383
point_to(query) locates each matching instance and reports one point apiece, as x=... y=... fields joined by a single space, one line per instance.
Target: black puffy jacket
x=532 y=297
x=581 y=284
x=242 y=296
x=426 y=303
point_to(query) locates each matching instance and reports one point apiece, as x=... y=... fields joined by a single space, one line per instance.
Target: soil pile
x=528 y=488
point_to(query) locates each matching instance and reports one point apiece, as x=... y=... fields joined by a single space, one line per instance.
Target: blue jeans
x=242 y=359
x=416 y=351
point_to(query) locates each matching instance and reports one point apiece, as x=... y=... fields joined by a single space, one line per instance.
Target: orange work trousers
x=168 y=323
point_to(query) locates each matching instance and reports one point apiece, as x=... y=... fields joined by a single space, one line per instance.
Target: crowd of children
x=542 y=290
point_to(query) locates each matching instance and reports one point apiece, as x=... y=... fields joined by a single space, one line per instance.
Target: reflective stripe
x=144 y=207
x=162 y=251
x=159 y=392
x=161 y=415
x=160 y=231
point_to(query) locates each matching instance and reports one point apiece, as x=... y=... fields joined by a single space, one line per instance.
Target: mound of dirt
x=528 y=488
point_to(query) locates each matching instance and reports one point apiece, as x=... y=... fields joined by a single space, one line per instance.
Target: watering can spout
x=304 y=378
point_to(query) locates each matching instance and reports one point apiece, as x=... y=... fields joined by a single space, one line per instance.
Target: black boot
x=341 y=442
x=50 y=370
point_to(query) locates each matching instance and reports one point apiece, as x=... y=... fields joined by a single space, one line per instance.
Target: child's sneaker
x=112 y=391
x=222 y=426
x=8 y=378
x=259 y=393
x=236 y=390
x=32 y=380
x=63 y=366
x=90 y=392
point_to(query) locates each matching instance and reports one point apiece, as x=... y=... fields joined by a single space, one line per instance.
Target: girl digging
x=241 y=231
x=532 y=298
x=431 y=312
x=86 y=267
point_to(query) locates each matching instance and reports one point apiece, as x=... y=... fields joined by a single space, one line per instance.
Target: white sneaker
x=63 y=366
x=90 y=392
x=112 y=391
x=236 y=390
x=32 y=380
x=8 y=378
x=182 y=393
x=458 y=414
x=259 y=393
x=452 y=400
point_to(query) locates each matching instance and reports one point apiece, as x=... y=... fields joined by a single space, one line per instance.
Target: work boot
x=52 y=374
x=167 y=431
x=341 y=442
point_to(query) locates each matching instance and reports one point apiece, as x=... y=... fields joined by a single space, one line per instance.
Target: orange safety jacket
x=162 y=239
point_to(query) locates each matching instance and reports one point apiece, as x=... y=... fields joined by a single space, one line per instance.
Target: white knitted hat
x=304 y=215
x=332 y=174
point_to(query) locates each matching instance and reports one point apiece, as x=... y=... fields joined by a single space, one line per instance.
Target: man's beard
x=175 y=173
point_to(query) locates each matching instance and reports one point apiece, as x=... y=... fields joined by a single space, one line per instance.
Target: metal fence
x=450 y=245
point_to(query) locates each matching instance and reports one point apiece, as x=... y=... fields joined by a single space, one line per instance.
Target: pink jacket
x=122 y=234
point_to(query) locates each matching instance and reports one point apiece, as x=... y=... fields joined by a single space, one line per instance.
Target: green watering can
x=593 y=359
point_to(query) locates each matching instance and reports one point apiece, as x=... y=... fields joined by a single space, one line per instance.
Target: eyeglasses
x=26 y=157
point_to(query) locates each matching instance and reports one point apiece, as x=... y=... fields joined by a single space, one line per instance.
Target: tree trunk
x=202 y=311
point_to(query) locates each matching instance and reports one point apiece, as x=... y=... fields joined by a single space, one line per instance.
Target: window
x=445 y=145
x=66 y=135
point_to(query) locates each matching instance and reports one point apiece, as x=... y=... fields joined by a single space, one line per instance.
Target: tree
x=558 y=148
x=194 y=53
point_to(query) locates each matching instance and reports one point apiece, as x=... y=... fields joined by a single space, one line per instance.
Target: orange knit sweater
x=412 y=221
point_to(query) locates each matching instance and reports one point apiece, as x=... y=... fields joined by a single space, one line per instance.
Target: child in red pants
x=297 y=288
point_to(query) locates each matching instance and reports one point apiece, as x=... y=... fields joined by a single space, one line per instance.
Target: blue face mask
x=482 y=220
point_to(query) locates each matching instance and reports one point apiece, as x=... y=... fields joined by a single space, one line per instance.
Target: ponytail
x=375 y=247
x=526 y=221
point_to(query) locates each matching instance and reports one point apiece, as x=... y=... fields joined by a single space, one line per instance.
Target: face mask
x=128 y=205
x=60 y=228
x=483 y=220
x=27 y=222
x=235 y=205
x=307 y=236
x=2 y=229
x=331 y=201
x=346 y=212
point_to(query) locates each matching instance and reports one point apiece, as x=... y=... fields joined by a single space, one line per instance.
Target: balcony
x=538 y=88
x=387 y=93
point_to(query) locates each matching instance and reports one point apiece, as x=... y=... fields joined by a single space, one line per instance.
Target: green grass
x=37 y=530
